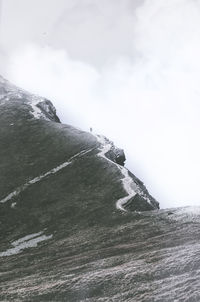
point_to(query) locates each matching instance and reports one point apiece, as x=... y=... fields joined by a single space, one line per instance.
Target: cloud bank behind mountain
x=128 y=69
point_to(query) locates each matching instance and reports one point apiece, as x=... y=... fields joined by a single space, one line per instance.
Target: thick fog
x=128 y=69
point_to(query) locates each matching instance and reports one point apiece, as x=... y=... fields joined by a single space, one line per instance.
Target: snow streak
x=28 y=241
x=39 y=178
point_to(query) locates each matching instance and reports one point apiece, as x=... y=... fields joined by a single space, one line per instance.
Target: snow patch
x=26 y=238
x=11 y=195
x=13 y=205
x=36 y=111
x=28 y=241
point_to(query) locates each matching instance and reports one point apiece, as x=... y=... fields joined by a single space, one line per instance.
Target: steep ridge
x=133 y=186
x=71 y=226
x=13 y=98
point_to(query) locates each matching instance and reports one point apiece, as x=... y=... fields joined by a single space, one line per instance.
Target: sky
x=129 y=69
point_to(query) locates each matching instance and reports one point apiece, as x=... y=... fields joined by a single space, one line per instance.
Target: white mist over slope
x=132 y=73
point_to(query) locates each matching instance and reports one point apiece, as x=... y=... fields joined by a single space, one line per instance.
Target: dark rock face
x=49 y=110
x=62 y=235
x=136 y=202
x=116 y=155
x=138 y=197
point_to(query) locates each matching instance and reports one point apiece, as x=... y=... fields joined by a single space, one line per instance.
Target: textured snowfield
x=149 y=257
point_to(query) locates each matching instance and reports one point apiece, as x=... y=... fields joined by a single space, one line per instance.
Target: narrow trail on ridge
x=128 y=184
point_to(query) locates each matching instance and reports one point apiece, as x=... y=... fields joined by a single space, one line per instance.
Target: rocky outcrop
x=116 y=155
x=141 y=198
x=48 y=110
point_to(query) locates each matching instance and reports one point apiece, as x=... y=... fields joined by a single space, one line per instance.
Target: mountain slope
x=68 y=226
x=33 y=144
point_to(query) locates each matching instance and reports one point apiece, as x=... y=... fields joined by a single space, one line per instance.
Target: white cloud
x=147 y=102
